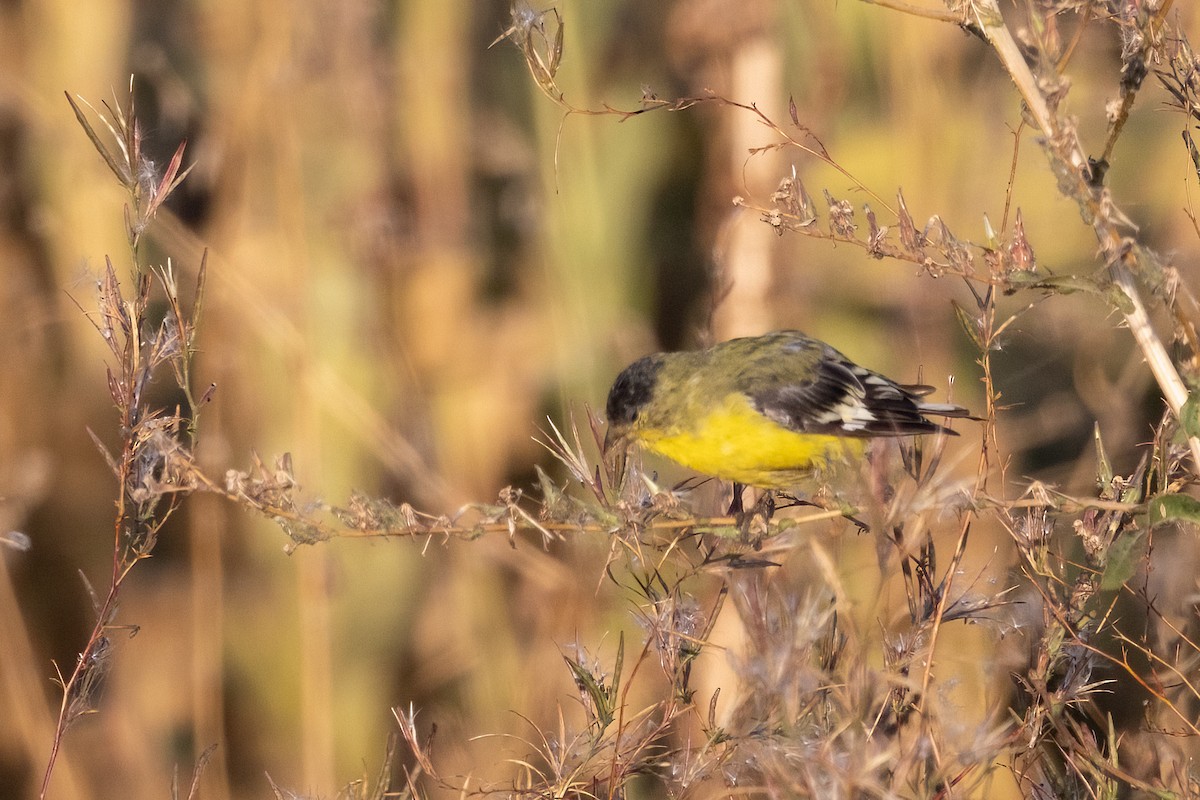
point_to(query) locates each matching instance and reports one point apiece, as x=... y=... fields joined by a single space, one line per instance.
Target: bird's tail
x=946 y=410
x=937 y=409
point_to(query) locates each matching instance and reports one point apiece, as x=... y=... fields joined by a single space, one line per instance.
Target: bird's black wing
x=833 y=395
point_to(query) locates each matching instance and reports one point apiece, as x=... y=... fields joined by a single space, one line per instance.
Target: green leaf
x=620 y=664
x=1189 y=415
x=1124 y=556
x=1066 y=284
x=969 y=325
x=1174 y=508
x=1104 y=470
x=1117 y=297
x=1024 y=279
x=597 y=693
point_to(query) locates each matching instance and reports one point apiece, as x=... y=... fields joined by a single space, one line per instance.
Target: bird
x=764 y=411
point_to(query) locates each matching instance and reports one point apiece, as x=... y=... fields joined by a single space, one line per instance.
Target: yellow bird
x=763 y=411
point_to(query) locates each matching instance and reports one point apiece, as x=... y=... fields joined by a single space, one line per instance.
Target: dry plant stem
x=1065 y=726
x=83 y=664
x=940 y=614
x=1129 y=93
x=155 y=444
x=124 y=524
x=443 y=526
x=987 y=15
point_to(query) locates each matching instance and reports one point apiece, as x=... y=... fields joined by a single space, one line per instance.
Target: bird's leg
x=738 y=511
x=735 y=507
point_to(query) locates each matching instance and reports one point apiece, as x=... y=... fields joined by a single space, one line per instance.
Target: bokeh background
x=414 y=258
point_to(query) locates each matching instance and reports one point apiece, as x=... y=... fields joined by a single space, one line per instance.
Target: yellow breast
x=737 y=443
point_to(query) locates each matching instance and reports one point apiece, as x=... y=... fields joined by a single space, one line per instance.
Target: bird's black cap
x=632 y=390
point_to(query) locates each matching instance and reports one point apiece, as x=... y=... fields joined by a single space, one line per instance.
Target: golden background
x=414 y=258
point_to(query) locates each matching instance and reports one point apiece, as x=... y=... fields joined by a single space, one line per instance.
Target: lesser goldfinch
x=763 y=411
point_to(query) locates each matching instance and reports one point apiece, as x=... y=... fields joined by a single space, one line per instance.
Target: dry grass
x=1006 y=613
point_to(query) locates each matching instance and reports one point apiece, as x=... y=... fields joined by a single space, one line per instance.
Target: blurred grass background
x=414 y=258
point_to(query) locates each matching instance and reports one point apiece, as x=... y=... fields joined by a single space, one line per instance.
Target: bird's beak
x=613 y=451
x=611 y=437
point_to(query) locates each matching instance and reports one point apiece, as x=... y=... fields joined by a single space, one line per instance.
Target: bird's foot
x=763 y=508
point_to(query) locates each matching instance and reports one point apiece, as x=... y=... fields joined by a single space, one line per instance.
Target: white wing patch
x=851 y=412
